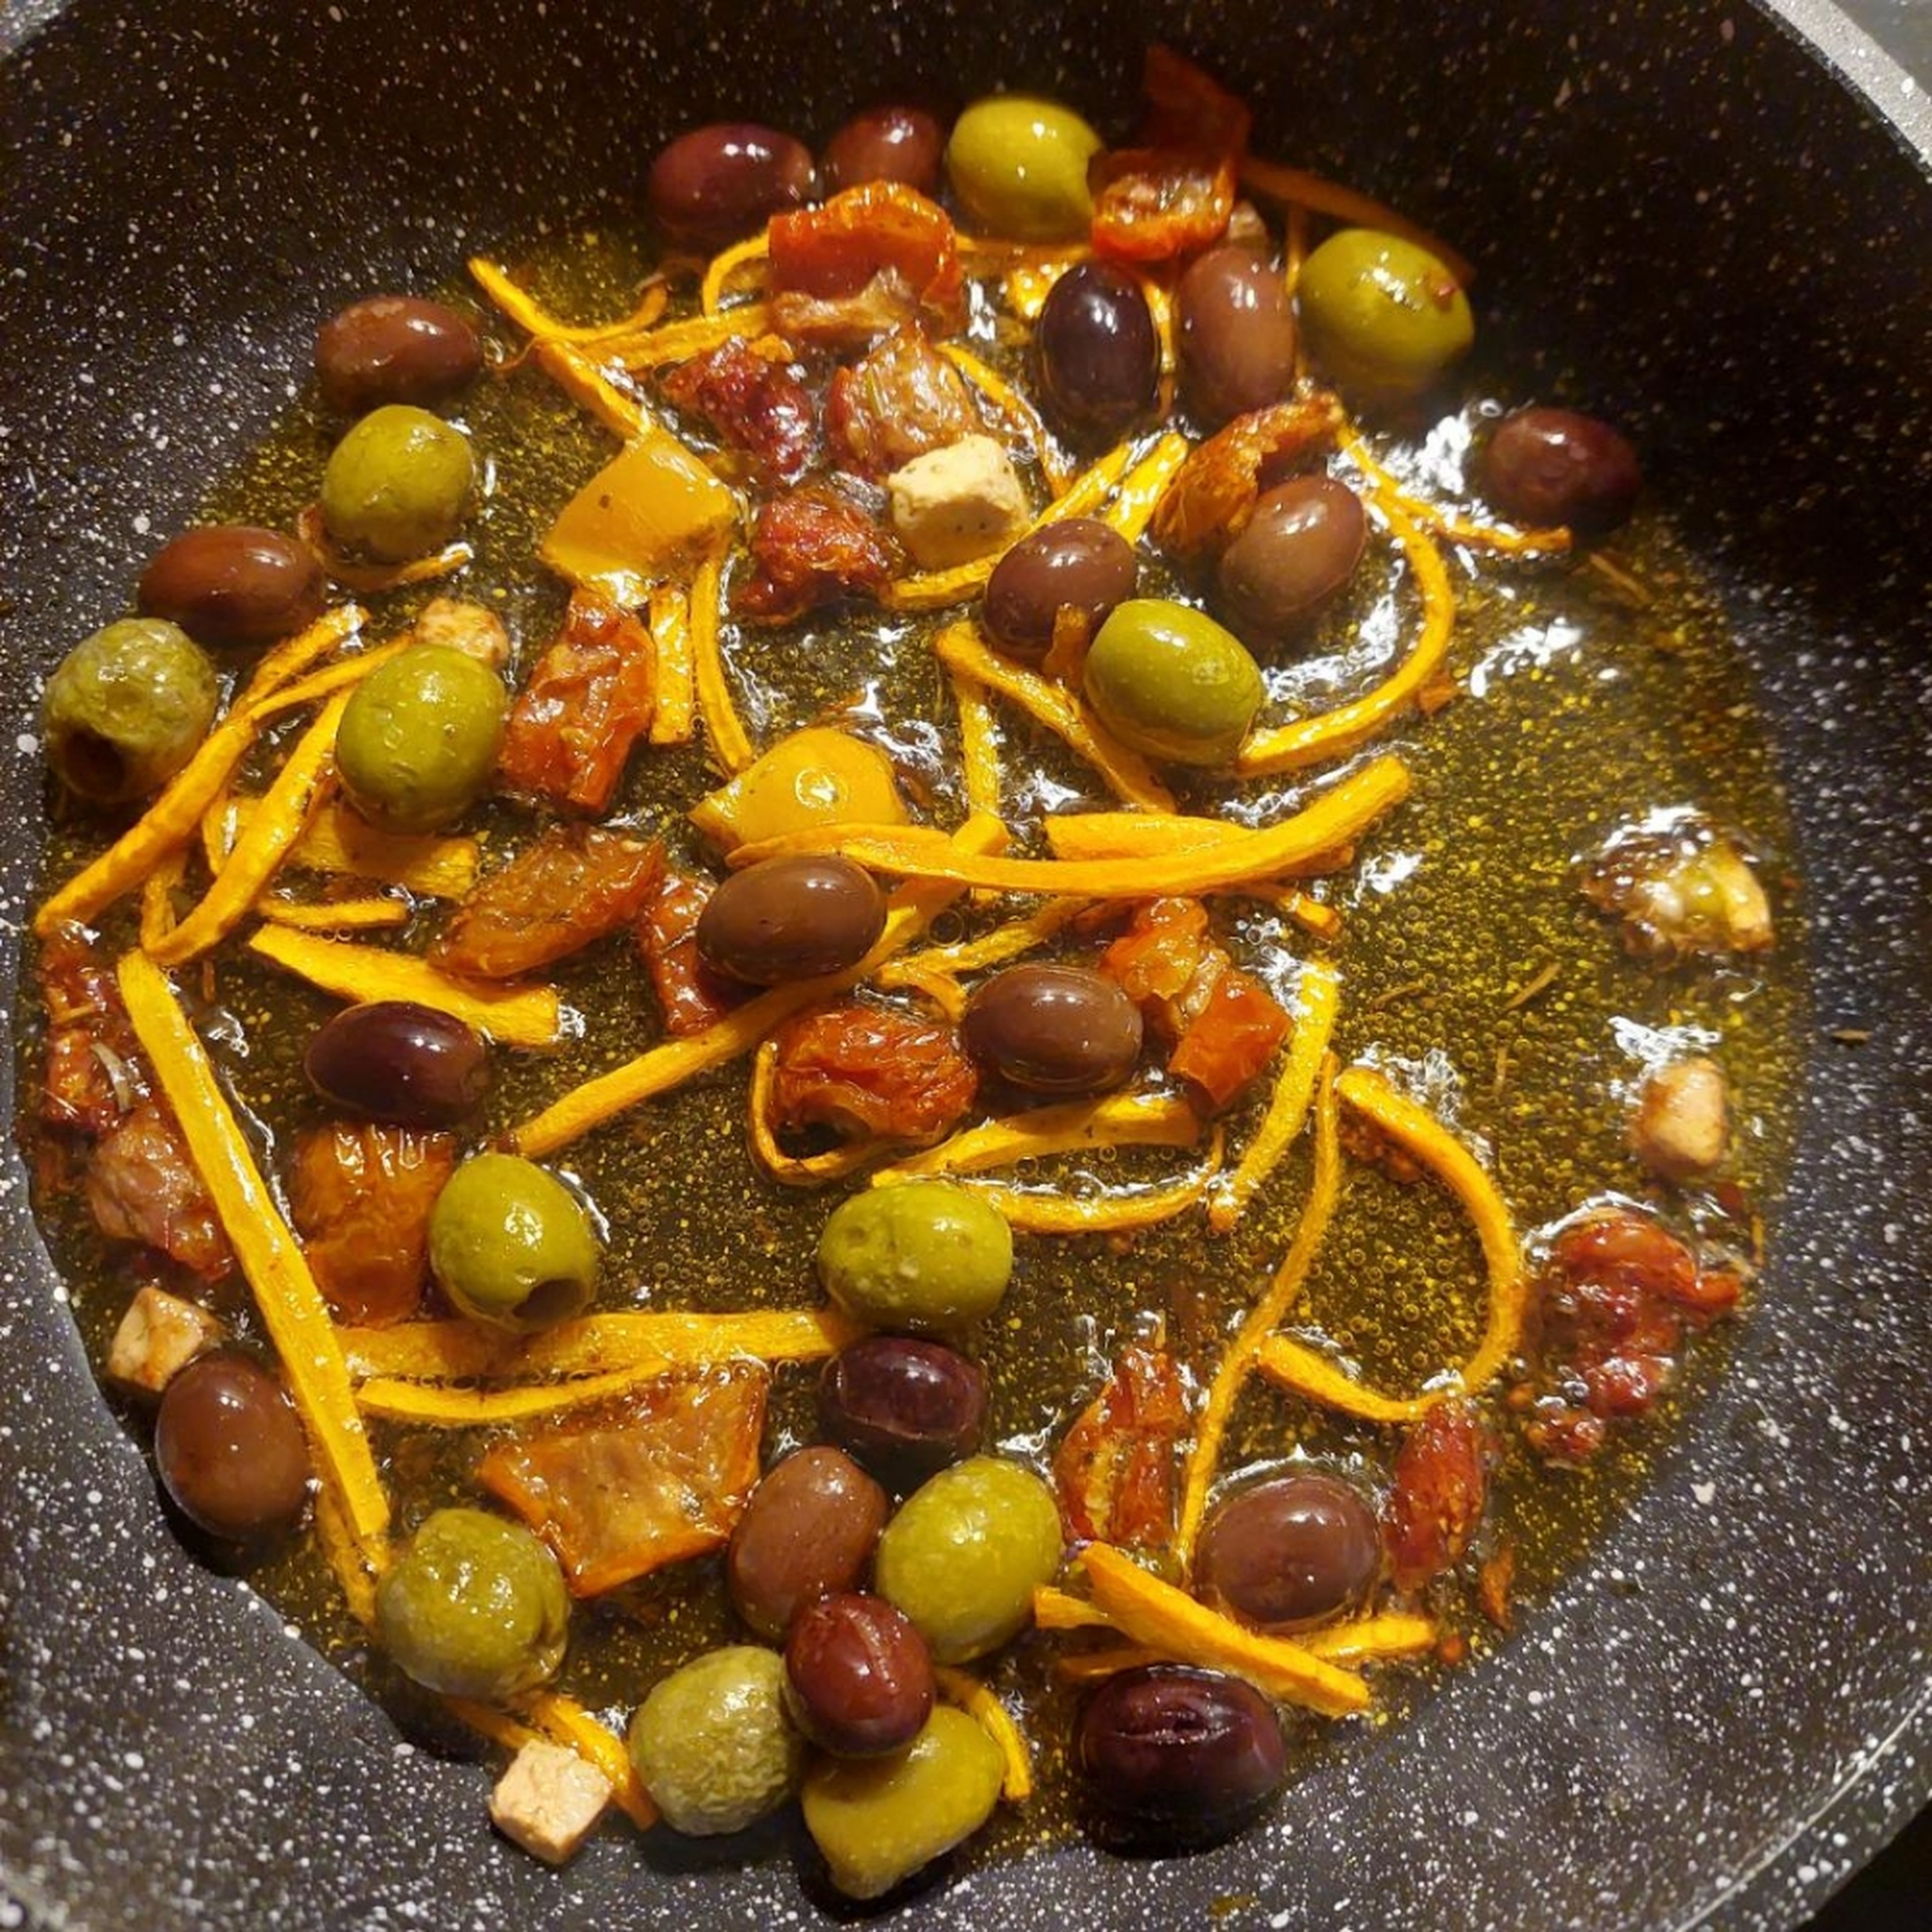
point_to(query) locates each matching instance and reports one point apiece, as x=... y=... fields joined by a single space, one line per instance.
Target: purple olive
x=1299 y=549
x=905 y=1408
x=395 y=349
x=1100 y=356
x=1545 y=466
x=791 y=919
x=858 y=1675
x=1234 y=335
x=718 y=183
x=393 y=1060
x=231 y=1450
x=809 y=1528
x=1053 y=1029
x=233 y=584
x=891 y=143
x=1291 y=1551
x=1078 y=562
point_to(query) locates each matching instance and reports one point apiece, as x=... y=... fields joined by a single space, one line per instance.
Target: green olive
x=924 y=1255
x=965 y=1553
x=712 y=1744
x=1018 y=166
x=474 y=1607
x=877 y=1820
x=126 y=709
x=397 y=484
x=1170 y=681
x=510 y=1245
x=1382 y=317
x=418 y=744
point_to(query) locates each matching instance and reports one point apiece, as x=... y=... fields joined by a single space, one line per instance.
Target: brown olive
x=891 y=143
x=858 y=1675
x=395 y=349
x=1053 y=1029
x=1300 y=547
x=231 y=1450
x=905 y=1408
x=1100 y=356
x=1234 y=335
x=1172 y=1755
x=233 y=584
x=394 y=1061
x=1079 y=563
x=1291 y=1551
x=1545 y=466
x=717 y=184
x=791 y=919
x=809 y=1530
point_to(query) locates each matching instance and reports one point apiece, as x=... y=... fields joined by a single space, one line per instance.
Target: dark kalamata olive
x=1172 y=1755
x=905 y=1408
x=231 y=1450
x=858 y=1675
x=233 y=584
x=886 y=144
x=1053 y=1029
x=1545 y=466
x=1300 y=547
x=717 y=184
x=1079 y=563
x=395 y=349
x=809 y=1530
x=1234 y=335
x=394 y=1061
x=1291 y=1551
x=791 y=919
x=1100 y=356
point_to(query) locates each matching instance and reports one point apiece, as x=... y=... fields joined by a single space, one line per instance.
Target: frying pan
x=1721 y=214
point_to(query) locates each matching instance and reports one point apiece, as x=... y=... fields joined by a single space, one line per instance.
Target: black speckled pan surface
x=1725 y=213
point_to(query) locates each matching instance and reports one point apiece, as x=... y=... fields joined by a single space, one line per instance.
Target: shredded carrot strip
x=1010 y=941
x=722 y=268
x=1118 y=1212
x=1088 y=1666
x=523 y=309
x=371 y=579
x=1132 y=511
x=1020 y=415
x=172 y=820
x=1321 y=997
x=439 y=1406
x=282 y=663
x=979 y=744
x=258 y=854
x=674 y=716
x=158 y=899
x=795 y=1171
x=1364 y=1640
x=578 y=377
x=940 y=990
x=1152 y=1613
x=1298 y=188
x=326 y=682
x=518 y=1015
x=731 y=745
x=1071 y=1126
x=355 y=1571
x=996 y=1720
x=1329 y=734
x=1447 y=523
x=679 y=341
x=1091 y=487
x=340 y=842
x=1054 y=1608
x=221 y=826
x=292 y=1310
x=1135 y=835
x=561 y=1720
x=909 y=911
x=1301 y=1369
x=639 y=1343
x=1311 y=915
x=333 y=915
x=964 y=652
x=1261 y=1321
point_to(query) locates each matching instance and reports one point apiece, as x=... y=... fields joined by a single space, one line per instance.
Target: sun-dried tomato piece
x=835 y=249
x=756 y=403
x=1183 y=106
x=1229 y=1043
x=141 y=1186
x=872 y=1072
x=1156 y=205
x=812 y=546
x=1436 y=1495
x=589 y=699
x=575 y=885
x=657 y=1477
x=1155 y=959
x=1213 y=493
x=902 y=399
x=691 y=996
x=1114 y=1469
x=360 y=1195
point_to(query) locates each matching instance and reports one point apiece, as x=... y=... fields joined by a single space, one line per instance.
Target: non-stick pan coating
x=1686 y=202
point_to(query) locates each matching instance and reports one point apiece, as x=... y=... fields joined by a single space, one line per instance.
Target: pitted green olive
x=1170 y=681
x=1382 y=317
x=418 y=744
x=924 y=1255
x=712 y=1744
x=396 y=485
x=509 y=1244
x=1018 y=166
x=126 y=709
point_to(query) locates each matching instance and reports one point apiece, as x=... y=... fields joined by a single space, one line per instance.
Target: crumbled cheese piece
x=461 y=626
x=1683 y=1120
x=158 y=1336
x=954 y=504
x=549 y=1800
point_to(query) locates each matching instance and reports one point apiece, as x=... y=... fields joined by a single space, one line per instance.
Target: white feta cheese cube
x=158 y=1336
x=953 y=505
x=549 y=1800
